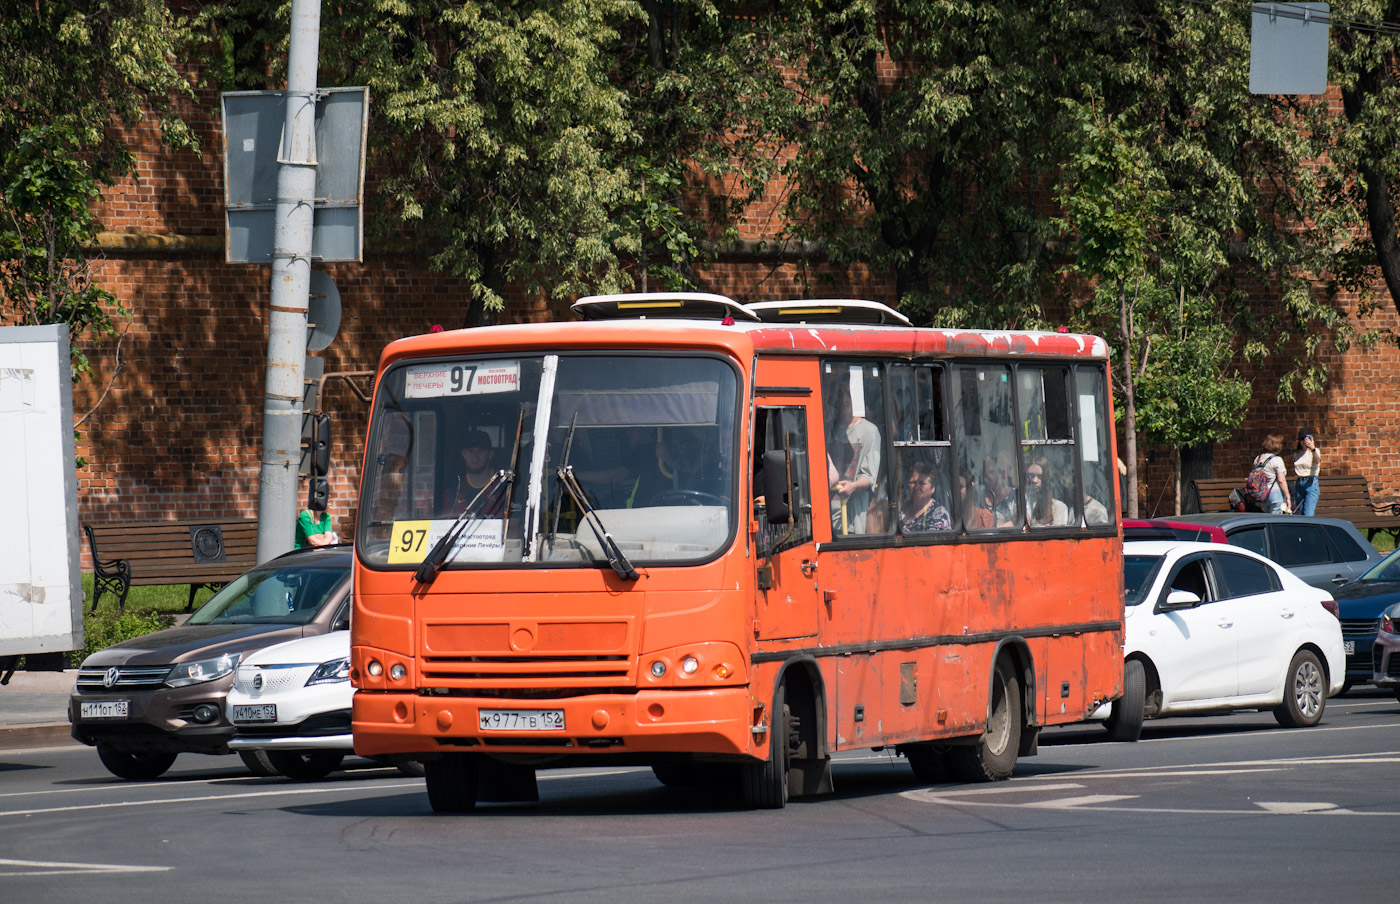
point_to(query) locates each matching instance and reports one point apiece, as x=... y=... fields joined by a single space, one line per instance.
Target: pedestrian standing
x=1278 y=501
x=1307 y=463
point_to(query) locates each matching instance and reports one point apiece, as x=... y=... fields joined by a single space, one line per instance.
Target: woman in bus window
x=923 y=512
x=1042 y=508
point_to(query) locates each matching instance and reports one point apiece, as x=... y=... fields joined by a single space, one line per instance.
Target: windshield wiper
x=437 y=556
x=616 y=557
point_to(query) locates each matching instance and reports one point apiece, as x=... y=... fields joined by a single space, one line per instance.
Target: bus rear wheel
x=1125 y=720
x=451 y=782
x=993 y=756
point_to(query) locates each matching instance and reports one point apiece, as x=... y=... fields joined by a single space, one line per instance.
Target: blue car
x=1360 y=605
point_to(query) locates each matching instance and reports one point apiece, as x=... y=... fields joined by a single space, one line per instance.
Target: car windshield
x=474 y=448
x=275 y=594
x=1386 y=570
x=1138 y=574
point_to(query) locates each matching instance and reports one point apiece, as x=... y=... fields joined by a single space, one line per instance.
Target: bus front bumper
x=718 y=721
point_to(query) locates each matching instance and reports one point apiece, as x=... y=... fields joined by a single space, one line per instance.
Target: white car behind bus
x=291 y=703
x=1213 y=628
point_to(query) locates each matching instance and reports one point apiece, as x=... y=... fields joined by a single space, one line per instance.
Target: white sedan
x=290 y=708
x=1212 y=628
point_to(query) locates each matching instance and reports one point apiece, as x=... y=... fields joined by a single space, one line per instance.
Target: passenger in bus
x=976 y=503
x=1094 y=511
x=854 y=462
x=922 y=512
x=478 y=460
x=996 y=472
x=1042 y=508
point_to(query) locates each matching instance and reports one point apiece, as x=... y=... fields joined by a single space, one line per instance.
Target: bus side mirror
x=776 y=487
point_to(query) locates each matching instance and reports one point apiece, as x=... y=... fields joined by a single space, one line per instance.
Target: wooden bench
x=202 y=553
x=1344 y=496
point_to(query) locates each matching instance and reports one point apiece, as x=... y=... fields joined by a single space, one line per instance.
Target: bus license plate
x=260 y=712
x=1349 y=647
x=108 y=709
x=522 y=720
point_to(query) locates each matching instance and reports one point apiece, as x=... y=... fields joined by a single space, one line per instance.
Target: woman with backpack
x=1268 y=479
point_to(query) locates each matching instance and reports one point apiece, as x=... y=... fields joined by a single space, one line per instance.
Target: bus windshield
x=537 y=458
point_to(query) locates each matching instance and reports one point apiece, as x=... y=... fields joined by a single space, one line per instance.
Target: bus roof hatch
x=824 y=310
x=690 y=305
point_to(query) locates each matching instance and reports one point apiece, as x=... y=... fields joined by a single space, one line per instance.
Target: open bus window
x=853 y=411
x=776 y=430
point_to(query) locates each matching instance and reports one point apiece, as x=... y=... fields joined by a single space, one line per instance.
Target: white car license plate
x=522 y=719
x=107 y=709
x=1349 y=647
x=258 y=712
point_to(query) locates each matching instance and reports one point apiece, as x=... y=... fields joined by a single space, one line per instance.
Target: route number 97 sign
x=461 y=378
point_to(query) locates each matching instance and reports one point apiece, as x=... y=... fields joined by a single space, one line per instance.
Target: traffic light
x=320 y=445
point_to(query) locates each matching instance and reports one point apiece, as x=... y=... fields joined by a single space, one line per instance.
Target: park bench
x=1344 y=496
x=202 y=553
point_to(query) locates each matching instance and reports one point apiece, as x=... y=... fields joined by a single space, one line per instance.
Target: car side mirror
x=1179 y=599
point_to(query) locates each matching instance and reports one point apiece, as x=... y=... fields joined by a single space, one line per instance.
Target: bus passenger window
x=923 y=457
x=986 y=443
x=854 y=413
x=1051 y=475
x=1098 y=469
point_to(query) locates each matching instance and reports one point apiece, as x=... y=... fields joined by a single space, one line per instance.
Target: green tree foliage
x=69 y=70
x=1364 y=144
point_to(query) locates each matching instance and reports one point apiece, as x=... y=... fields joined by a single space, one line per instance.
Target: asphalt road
x=1225 y=808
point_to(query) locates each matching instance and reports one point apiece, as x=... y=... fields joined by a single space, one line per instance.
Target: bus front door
x=789 y=591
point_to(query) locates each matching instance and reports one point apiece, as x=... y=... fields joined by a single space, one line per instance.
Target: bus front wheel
x=764 y=786
x=993 y=756
x=451 y=781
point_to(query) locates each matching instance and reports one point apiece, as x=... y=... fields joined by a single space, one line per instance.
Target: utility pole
x=291 y=280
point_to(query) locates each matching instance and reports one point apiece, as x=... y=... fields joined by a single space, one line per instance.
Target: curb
x=26 y=737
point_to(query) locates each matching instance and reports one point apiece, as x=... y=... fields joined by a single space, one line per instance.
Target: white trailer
x=41 y=590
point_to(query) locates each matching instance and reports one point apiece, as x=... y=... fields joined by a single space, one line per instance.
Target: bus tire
x=992 y=757
x=257 y=763
x=764 y=786
x=1124 y=723
x=451 y=781
x=1304 y=692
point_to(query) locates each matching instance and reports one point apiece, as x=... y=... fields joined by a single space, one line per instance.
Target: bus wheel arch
x=799 y=761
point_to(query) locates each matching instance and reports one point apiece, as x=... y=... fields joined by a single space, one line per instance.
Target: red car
x=1167 y=529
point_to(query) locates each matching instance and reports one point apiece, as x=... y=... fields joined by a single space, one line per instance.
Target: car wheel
x=993 y=756
x=1125 y=721
x=1304 y=692
x=137 y=767
x=258 y=763
x=410 y=768
x=305 y=765
x=451 y=781
x=764 y=786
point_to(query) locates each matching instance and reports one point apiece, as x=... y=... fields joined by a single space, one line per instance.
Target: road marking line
x=934 y=797
x=211 y=797
x=55 y=868
x=1069 y=803
x=1008 y=789
x=1301 y=807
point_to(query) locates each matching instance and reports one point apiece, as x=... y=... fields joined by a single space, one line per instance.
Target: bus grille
x=503 y=671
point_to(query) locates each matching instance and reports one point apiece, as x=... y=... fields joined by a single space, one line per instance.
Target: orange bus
x=728 y=541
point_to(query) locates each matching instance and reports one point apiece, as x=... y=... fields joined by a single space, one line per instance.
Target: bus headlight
x=658 y=669
x=689 y=665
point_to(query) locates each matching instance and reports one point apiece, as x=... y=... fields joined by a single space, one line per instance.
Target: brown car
x=146 y=700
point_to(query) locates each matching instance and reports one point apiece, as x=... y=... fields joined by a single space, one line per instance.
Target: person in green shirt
x=314 y=529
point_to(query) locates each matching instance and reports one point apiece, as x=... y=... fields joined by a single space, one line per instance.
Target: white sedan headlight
x=331 y=672
x=202 y=670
